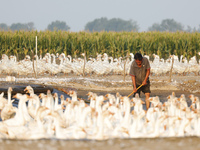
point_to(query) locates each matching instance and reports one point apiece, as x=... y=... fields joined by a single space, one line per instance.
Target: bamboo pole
x=125 y=65
x=170 y=75
x=33 y=63
x=137 y=89
x=84 y=63
x=36 y=57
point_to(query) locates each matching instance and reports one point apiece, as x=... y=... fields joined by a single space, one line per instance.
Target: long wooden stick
x=64 y=91
x=133 y=91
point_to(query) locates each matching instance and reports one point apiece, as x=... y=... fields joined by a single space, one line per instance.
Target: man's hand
x=144 y=82
x=134 y=90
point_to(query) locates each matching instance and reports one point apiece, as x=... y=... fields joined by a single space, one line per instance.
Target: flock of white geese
x=101 y=65
x=105 y=117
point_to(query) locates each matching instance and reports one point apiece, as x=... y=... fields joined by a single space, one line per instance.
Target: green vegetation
x=114 y=44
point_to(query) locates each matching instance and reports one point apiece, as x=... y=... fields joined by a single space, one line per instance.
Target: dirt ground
x=160 y=85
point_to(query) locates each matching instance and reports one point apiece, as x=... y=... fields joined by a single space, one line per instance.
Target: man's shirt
x=140 y=72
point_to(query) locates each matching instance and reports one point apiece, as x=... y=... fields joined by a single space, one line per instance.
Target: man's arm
x=134 y=84
x=146 y=77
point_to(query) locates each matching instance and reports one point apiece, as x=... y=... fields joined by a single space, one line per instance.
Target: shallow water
x=160 y=93
x=15 y=103
x=188 y=143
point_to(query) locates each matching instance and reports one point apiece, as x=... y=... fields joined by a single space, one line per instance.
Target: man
x=139 y=71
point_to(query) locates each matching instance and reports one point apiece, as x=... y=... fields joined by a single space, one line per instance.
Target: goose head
x=21 y=97
x=29 y=89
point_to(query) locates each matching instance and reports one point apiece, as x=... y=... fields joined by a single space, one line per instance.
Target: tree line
x=104 y=24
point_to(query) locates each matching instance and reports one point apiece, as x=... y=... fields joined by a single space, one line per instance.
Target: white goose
x=19 y=118
x=73 y=94
x=8 y=111
x=158 y=129
x=138 y=107
x=50 y=101
x=65 y=66
x=38 y=130
x=99 y=129
x=137 y=124
x=91 y=96
x=111 y=98
x=124 y=126
x=58 y=107
x=43 y=98
x=68 y=112
x=117 y=66
x=24 y=98
x=34 y=101
x=3 y=101
x=71 y=132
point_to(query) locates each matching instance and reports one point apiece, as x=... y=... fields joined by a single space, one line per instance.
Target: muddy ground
x=161 y=86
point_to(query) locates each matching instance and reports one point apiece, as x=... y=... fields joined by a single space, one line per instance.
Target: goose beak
x=28 y=96
x=25 y=89
x=83 y=130
x=104 y=98
x=15 y=96
x=49 y=113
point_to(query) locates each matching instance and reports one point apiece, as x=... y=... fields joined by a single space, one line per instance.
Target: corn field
x=115 y=44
